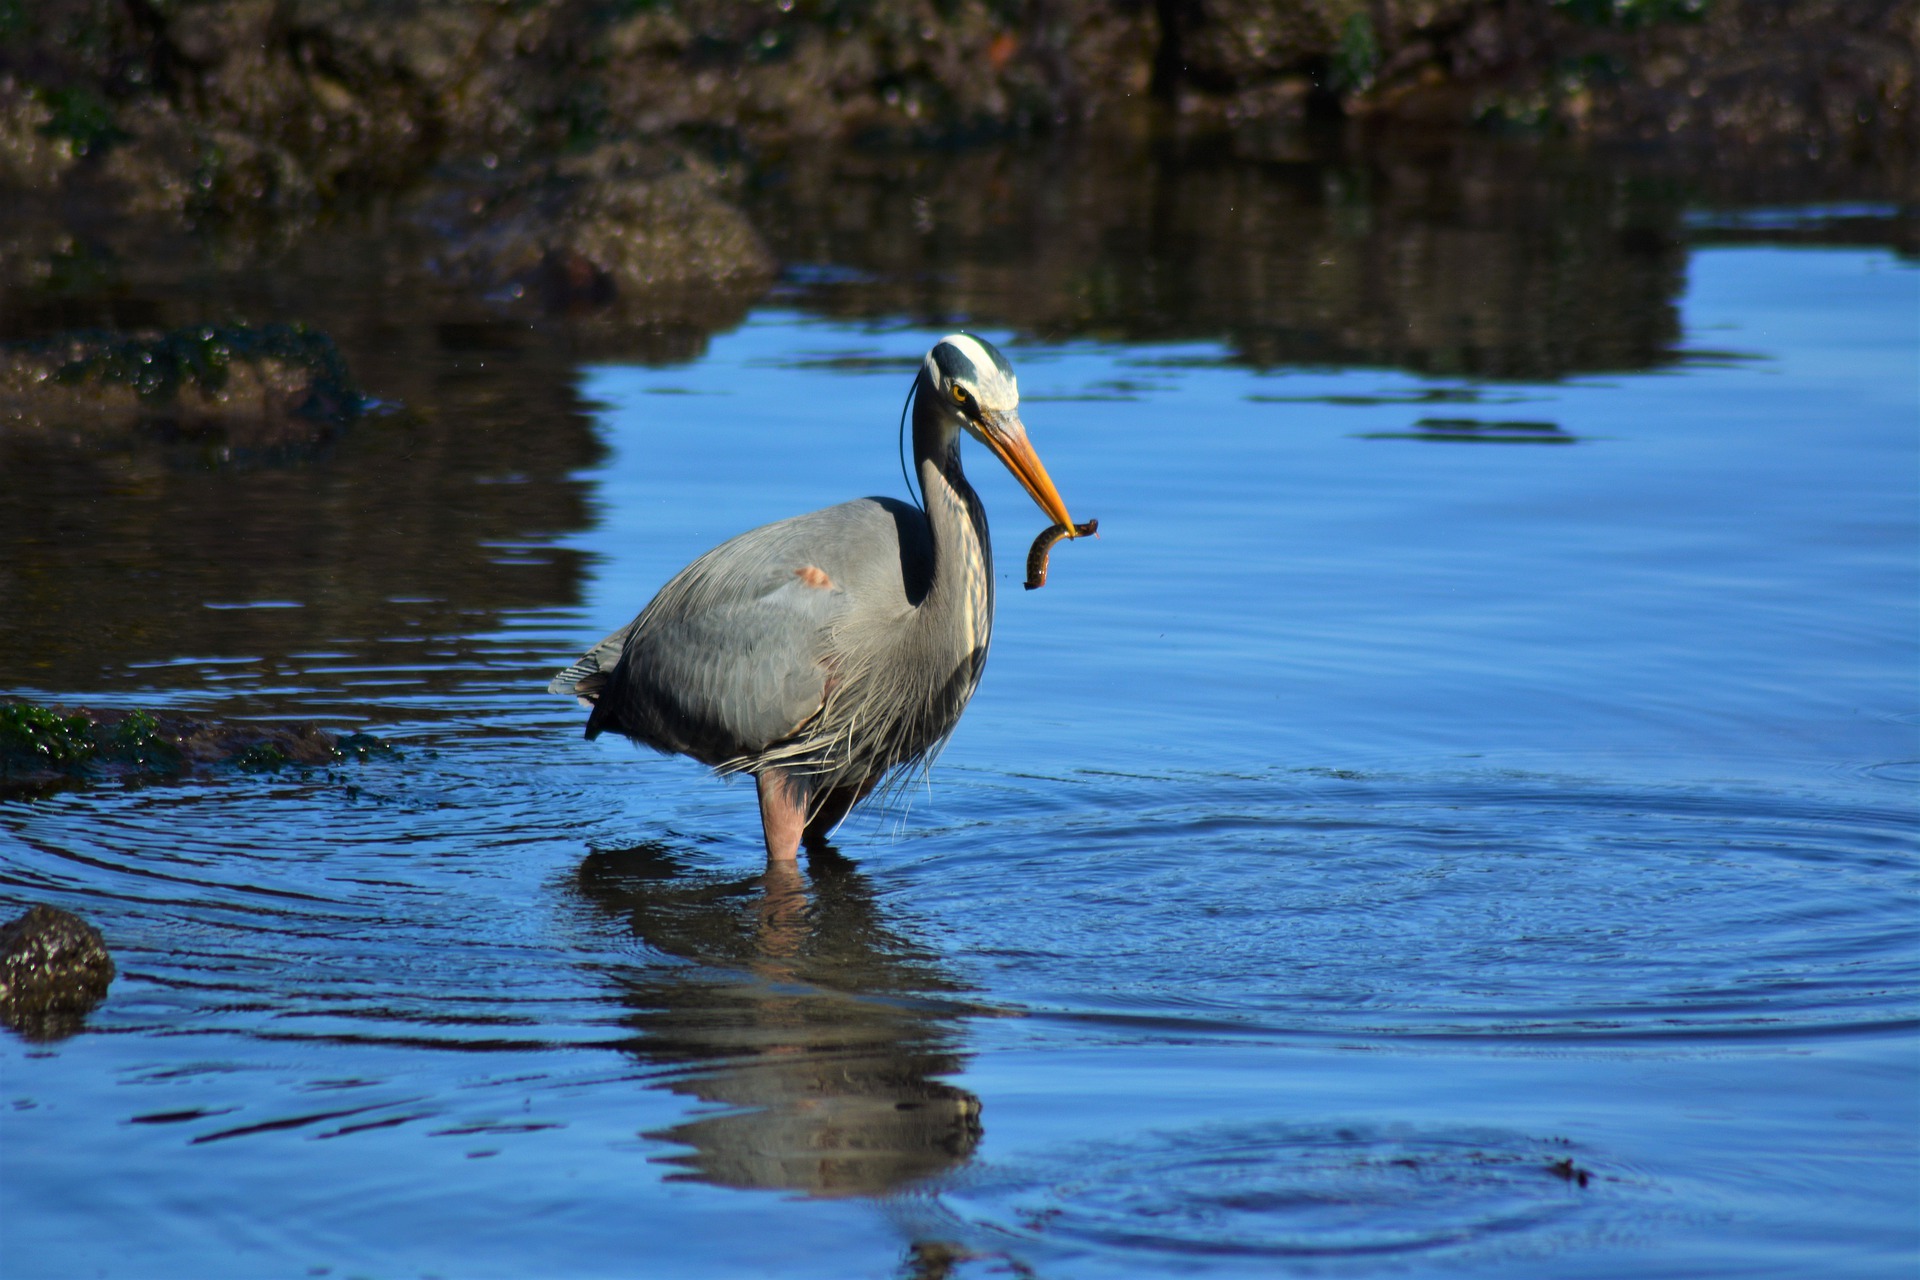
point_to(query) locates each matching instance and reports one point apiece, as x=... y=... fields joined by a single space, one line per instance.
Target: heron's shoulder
x=846 y=542
x=848 y=533
x=870 y=544
x=861 y=516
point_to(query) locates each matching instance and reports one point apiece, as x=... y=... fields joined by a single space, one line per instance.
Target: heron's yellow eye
x=959 y=394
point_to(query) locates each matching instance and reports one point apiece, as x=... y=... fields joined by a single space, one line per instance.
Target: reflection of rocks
x=394 y=532
x=1471 y=260
x=434 y=518
x=54 y=967
x=409 y=524
x=424 y=521
x=610 y=229
x=800 y=1009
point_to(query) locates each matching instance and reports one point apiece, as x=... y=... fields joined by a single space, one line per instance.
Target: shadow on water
x=786 y=1000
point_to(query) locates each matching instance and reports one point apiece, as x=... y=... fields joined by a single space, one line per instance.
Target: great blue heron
x=825 y=652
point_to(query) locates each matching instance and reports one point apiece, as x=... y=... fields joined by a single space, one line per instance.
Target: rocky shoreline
x=606 y=166
x=596 y=152
x=252 y=100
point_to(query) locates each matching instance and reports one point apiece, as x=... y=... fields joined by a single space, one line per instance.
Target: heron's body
x=824 y=652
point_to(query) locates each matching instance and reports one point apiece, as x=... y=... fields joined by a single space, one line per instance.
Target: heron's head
x=972 y=383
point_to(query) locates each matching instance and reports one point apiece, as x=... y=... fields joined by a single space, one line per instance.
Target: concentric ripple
x=369 y=902
x=1480 y=909
x=1295 y=1191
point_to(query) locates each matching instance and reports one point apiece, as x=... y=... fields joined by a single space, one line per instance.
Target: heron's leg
x=833 y=809
x=783 y=814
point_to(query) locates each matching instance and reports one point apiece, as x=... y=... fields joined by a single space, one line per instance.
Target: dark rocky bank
x=205 y=102
x=603 y=144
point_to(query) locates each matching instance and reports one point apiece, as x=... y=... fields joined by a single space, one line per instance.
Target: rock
x=249 y=101
x=617 y=228
x=205 y=173
x=43 y=747
x=261 y=387
x=54 y=968
x=1833 y=76
x=30 y=156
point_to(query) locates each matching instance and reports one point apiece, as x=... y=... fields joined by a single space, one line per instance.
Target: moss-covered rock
x=206 y=173
x=36 y=739
x=269 y=384
x=43 y=746
x=1834 y=76
x=33 y=154
x=139 y=740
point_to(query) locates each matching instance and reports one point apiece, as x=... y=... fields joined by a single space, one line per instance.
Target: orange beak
x=1007 y=437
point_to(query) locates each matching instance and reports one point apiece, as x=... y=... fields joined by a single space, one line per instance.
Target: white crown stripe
x=989 y=375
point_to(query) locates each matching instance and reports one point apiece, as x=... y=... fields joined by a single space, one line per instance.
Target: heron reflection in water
x=824 y=653
x=819 y=1029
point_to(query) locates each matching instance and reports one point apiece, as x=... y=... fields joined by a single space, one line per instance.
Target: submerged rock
x=265 y=386
x=44 y=747
x=54 y=968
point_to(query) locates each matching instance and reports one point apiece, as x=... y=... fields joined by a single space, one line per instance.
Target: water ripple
x=1494 y=910
x=1296 y=1192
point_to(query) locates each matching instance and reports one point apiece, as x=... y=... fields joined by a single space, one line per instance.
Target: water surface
x=1446 y=823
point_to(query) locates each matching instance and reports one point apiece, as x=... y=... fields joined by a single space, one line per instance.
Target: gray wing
x=736 y=652
x=588 y=676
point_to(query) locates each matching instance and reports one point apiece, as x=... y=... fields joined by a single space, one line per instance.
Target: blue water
x=1439 y=826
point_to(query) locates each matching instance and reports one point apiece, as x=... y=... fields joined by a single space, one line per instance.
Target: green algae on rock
x=277 y=382
x=35 y=738
x=43 y=746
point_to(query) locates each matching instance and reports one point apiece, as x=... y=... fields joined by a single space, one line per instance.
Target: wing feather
x=736 y=653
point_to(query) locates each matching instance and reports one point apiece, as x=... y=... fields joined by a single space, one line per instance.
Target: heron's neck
x=962 y=552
